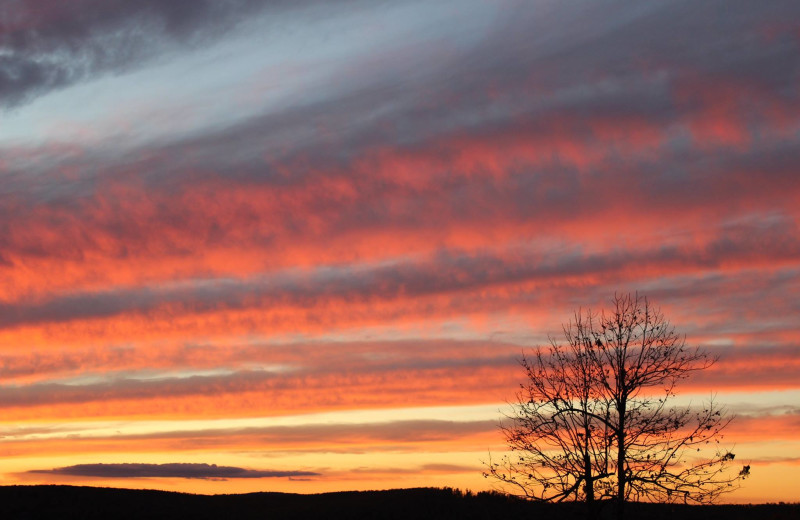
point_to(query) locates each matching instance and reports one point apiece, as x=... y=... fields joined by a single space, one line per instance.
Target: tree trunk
x=591 y=505
x=587 y=462
x=589 y=486
x=621 y=461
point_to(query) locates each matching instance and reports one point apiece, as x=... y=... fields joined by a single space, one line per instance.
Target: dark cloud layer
x=172 y=470
x=50 y=44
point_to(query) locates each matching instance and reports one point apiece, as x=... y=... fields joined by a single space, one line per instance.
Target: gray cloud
x=54 y=45
x=122 y=387
x=321 y=370
x=425 y=468
x=331 y=437
x=673 y=180
x=760 y=237
x=305 y=438
x=124 y=361
x=315 y=376
x=171 y=470
x=578 y=71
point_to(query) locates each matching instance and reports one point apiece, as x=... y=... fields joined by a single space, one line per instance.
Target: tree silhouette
x=594 y=419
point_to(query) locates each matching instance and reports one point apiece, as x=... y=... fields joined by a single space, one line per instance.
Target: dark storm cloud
x=172 y=470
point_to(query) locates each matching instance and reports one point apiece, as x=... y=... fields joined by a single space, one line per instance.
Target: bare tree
x=594 y=418
x=561 y=446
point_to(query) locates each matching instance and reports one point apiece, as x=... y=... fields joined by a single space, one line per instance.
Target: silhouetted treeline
x=69 y=502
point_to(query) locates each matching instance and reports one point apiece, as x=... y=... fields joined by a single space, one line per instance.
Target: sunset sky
x=274 y=245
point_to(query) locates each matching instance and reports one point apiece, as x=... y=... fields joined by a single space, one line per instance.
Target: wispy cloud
x=49 y=46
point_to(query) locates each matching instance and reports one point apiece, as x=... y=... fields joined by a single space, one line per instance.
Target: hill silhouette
x=73 y=502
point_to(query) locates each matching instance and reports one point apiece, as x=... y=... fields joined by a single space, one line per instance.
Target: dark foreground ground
x=69 y=502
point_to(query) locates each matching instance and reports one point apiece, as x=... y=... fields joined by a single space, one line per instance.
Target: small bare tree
x=594 y=421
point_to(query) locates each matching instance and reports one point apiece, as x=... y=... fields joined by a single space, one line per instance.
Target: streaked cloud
x=268 y=212
x=50 y=46
x=171 y=470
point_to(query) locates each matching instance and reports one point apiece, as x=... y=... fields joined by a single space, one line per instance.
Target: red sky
x=311 y=241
